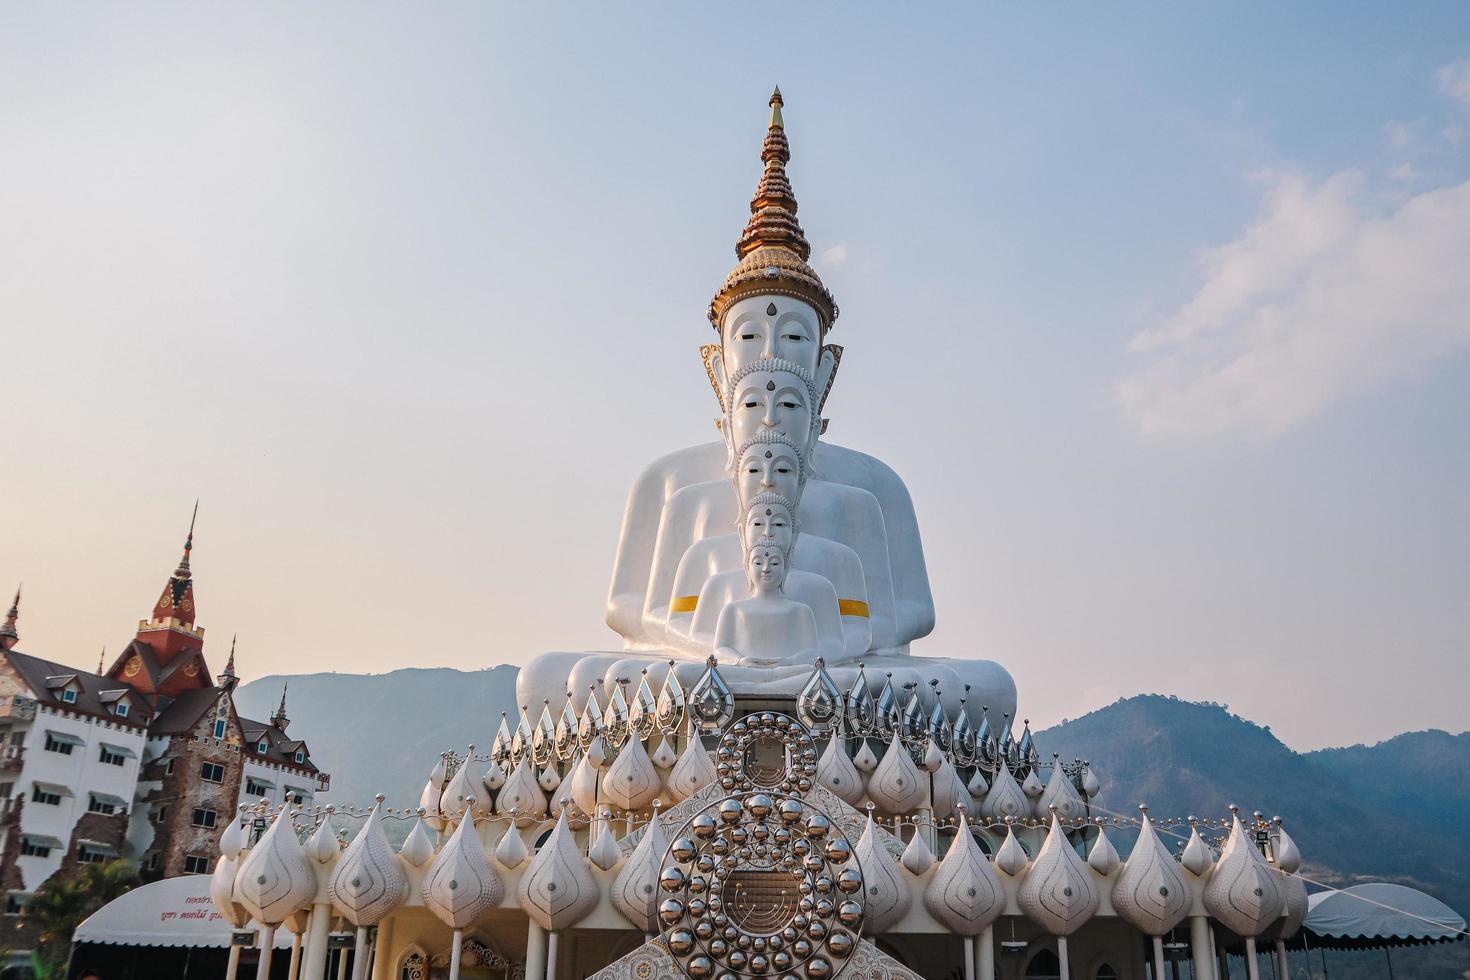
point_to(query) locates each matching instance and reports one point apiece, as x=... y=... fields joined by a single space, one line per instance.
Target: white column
x=456 y=951
x=1062 y=958
x=1252 y=968
x=267 y=947
x=1199 y=942
x=551 y=950
x=316 y=941
x=535 y=951
x=1282 y=970
x=1158 y=958
x=233 y=966
x=985 y=954
x=295 y=970
x=360 y=954
x=969 y=958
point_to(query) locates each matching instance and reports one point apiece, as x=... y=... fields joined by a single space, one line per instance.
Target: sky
x=1162 y=314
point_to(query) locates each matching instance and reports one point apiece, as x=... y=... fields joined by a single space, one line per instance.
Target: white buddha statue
x=769 y=521
x=771 y=372
x=772 y=305
x=764 y=627
x=712 y=574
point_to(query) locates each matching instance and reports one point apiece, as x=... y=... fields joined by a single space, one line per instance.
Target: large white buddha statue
x=773 y=305
x=709 y=529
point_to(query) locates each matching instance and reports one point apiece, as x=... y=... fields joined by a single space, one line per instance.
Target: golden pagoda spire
x=773 y=221
x=773 y=250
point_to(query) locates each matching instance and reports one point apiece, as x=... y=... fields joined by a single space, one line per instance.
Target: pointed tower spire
x=102 y=661
x=9 y=635
x=279 y=719
x=773 y=250
x=175 y=606
x=183 y=570
x=227 y=677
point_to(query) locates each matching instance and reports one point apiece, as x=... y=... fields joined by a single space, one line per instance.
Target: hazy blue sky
x=1163 y=316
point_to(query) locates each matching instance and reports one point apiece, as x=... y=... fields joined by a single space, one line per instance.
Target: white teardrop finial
x=1011 y=856
x=417 y=848
x=461 y=885
x=368 y=883
x=917 y=858
x=1058 y=893
x=1151 y=893
x=964 y=893
x=896 y=785
x=1242 y=892
x=557 y=890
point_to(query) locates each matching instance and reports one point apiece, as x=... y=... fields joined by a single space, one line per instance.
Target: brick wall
x=184 y=790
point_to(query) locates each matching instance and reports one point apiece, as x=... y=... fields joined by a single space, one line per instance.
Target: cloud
x=1318 y=299
x=1454 y=81
x=1400 y=134
x=834 y=257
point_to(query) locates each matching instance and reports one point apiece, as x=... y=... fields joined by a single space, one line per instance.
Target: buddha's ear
x=714 y=366
x=827 y=366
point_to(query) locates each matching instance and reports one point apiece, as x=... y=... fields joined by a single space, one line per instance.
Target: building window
x=195 y=864
x=110 y=757
x=219 y=728
x=297 y=795
x=153 y=861
x=90 y=855
x=96 y=805
x=39 y=795
x=160 y=814
x=16 y=902
x=212 y=772
x=168 y=770
x=5 y=789
x=262 y=746
x=300 y=756
x=203 y=817
x=121 y=711
x=69 y=696
x=253 y=788
x=54 y=744
x=30 y=848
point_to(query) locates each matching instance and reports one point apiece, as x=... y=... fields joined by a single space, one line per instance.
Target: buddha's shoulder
x=705 y=493
x=824 y=549
x=842 y=465
x=693 y=464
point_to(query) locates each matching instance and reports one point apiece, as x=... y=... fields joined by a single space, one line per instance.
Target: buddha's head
x=769 y=463
x=764 y=327
x=765 y=564
x=769 y=518
x=771 y=395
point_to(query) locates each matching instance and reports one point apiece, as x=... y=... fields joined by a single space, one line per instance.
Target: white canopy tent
x=1381 y=914
x=171 y=912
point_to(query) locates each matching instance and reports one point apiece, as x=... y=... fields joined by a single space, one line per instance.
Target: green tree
x=60 y=905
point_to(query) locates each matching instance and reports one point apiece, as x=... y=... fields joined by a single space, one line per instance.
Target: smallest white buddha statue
x=766 y=628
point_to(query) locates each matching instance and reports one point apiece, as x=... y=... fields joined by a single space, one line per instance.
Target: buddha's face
x=767 y=569
x=768 y=467
x=768 y=524
x=771 y=401
x=770 y=326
